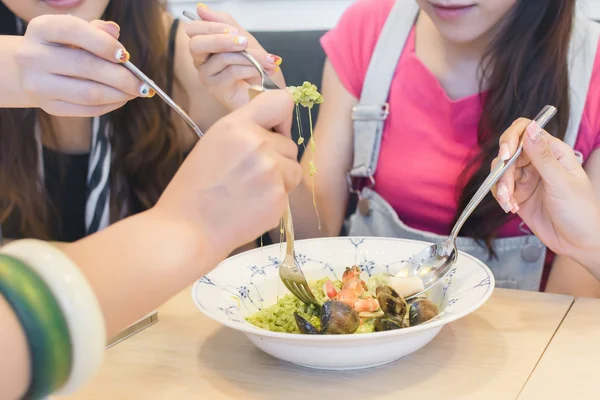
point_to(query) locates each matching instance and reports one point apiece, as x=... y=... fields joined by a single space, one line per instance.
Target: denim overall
x=521 y=259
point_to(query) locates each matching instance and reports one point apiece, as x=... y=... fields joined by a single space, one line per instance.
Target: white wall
x=299 y=14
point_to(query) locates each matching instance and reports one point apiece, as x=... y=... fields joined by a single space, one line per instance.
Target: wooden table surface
x=489 y=354
x=570 y=367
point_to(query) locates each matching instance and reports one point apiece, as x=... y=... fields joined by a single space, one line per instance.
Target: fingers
x=64 y=109
x=77 y=91
x=72 y=31
x=272 y=110
x=290 y=170
x=109 y=27
x=505 y=187
x=218 y=63
x=81 y=64
x=203 y=46
x=195 y=28
x=283 y=146
x=544 y=152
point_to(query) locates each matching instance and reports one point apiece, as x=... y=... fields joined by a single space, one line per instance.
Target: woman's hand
x=215 y=45
x=233 y=186
x=70 y=67
x=551 y=192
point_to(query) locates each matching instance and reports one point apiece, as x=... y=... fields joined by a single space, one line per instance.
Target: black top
x=66 y=180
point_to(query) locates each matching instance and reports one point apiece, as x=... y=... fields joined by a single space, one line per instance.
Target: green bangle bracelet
x=44 y=325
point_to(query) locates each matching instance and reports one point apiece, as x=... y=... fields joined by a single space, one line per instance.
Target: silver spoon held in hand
x=434 y=262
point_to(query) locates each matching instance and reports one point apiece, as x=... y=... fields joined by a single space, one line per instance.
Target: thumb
x=538 y=147
x=109 y=27
x=273 y=110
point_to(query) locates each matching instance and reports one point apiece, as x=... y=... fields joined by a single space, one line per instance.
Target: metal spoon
x=434 y=262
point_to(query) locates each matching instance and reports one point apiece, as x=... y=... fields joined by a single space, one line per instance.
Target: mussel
x=421 y=310
x=391 y=303
x=386 y=324
x=336 y=318
x=304 y=326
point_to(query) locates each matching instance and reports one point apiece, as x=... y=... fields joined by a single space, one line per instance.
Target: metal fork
x=290 y=272
x=266 y=81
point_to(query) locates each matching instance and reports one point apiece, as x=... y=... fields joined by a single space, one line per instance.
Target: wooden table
x=487 y=355
x=569 y=367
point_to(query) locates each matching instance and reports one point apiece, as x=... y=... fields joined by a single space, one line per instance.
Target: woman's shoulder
x=350 y=44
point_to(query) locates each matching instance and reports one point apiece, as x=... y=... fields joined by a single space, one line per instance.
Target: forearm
x=12 y=94
x=570 y=277
x=590 y=260
x=14 y=362
x=139 y=263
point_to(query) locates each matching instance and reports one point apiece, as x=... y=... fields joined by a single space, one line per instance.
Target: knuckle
x=92 y=96
x=26 y=55
x=82 y=63
x=196 y=46
x=546 y=151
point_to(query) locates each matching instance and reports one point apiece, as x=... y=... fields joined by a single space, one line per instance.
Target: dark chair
x=303 y=60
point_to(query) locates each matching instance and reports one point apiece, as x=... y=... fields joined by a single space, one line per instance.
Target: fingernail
x=113 y=24
x=504 y=153
x=240 y=40
x=231 y=31
x=201 y=5
x=122 y=55
x=504 y=197
x=534 y=131
x=146 y=91
x=273 y=59
x=515 y=208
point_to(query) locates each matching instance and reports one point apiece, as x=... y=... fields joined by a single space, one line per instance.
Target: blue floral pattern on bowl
x=246 y=283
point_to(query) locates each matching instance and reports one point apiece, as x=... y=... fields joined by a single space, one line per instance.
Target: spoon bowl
x=435 y=261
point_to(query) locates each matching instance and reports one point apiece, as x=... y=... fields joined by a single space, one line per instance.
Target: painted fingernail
x=231 y=31
x=534 y=131
x=504 y=153
x=240 y=40
x=146 y=91
x=122 y=55
x=273 y=59
x=504 y=197
x=201 y=5
x=515 y=208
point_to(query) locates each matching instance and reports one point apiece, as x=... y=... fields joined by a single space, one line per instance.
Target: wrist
x=588 y=253
x=14 y=94
x=191 y=246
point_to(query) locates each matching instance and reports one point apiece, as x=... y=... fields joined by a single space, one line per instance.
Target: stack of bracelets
x=58 y=312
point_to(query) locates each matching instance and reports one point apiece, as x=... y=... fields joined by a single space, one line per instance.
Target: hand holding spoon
x=434 y=262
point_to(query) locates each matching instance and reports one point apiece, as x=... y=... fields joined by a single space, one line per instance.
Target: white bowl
x=245 y=283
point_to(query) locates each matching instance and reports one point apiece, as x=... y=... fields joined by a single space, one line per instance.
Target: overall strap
x=370 y=114
x=582 y=57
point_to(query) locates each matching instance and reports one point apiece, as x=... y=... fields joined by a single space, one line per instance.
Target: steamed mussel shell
x=304 y=326
x=391 y=303
x=386 y=324
x=421 y=310
x=336 y=318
